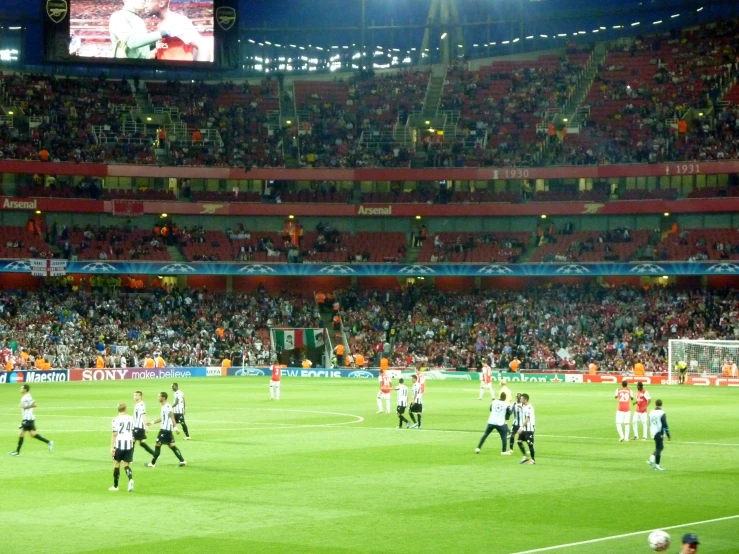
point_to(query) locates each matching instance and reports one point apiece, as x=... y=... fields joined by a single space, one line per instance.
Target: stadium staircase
x=572 y=114
x=176 y=254
x=434 y=91
x=288 y=113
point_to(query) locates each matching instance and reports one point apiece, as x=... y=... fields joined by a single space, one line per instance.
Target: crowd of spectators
x=552 y=327
x=70 y=325
x=640 y=89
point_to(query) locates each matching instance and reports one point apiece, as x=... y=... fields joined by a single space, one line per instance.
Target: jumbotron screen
x=165 y=30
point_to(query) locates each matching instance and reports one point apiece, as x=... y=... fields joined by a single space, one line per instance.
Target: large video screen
x=165 y=30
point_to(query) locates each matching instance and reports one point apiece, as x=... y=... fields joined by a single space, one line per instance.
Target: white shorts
x=623 y=418
x=484 y=385
x=383 y=395
x=640 y=416
x=274 y=384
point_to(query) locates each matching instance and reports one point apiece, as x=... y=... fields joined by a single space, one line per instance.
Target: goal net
x=705 y=358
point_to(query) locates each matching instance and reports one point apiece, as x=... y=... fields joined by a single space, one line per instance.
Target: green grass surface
x=319 y=471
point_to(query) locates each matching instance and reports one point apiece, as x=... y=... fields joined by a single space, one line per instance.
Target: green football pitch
x=320 y=471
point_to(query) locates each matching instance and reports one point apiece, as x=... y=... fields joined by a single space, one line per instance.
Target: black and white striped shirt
x=123 y=427
x=417 y=394
x=179 y=406
x=139 y=411
x=517 y=414
x=402 y=395
x=167 y=424
x=528 y=423
x=26 y=409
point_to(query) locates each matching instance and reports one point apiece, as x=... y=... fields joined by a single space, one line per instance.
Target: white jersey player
x=122 y=446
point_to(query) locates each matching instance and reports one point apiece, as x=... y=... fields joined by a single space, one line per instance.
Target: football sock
x=271 y=392
x=184 y=428
x=520 y=445
x=419 y=420
x=510 y=443
x=116 y=475
x=129 y=473
x=379 y=405
x=657 y=457
x=413 y=416
x=620 y=431
x=42 y=439
x=178 y=454
x=387 y=405
x=531 y=451
x=20 y=443
x=157 y=451
x=147 y=448
x=628 y=428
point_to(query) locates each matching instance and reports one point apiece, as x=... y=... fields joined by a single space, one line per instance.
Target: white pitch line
x=573 y=437
x=625 y=535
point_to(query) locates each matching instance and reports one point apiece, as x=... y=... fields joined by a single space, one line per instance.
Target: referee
x=499 y=413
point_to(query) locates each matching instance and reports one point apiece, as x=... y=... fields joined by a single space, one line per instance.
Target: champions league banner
x=649 y=269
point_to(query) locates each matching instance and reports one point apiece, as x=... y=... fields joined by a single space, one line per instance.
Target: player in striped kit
x=402 y=404
x=528 y=426
x=517 y=411
x=386 y=387
x=642 y=403
x=28 y=422
x=139 y=422
x=500 y=411
x=486 y=381
x=658 y=428
x=416 y=410
x=168 y=424
x=179 y=409
x=122 y=446
x=274 y=382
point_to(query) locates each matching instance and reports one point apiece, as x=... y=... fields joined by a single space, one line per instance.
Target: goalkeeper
x=682 y=367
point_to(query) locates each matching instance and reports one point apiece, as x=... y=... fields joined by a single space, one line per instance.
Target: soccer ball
x=659 y=541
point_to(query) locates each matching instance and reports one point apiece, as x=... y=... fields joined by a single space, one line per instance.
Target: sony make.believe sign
x=136 y=373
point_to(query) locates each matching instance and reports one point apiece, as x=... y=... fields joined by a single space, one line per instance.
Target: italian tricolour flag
x=291 y=339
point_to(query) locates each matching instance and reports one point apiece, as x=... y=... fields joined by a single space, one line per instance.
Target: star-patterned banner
x=388 y=269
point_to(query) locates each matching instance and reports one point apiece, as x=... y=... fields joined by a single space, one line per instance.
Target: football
x=659 y=541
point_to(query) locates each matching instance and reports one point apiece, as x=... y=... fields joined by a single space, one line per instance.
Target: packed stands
x=615 y=327
x=67 y=322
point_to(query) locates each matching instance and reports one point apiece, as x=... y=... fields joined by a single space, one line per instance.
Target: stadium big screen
x=164 y=30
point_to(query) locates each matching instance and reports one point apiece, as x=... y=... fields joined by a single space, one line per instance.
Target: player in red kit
x=386 y=386
x=274 y=383
x=623 y=415
x=421 y=380
x=486 y=381
x=642 y=403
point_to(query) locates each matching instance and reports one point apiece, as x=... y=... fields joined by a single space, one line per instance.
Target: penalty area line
x=625 y=535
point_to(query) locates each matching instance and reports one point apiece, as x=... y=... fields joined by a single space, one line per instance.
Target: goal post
x=705 y=358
